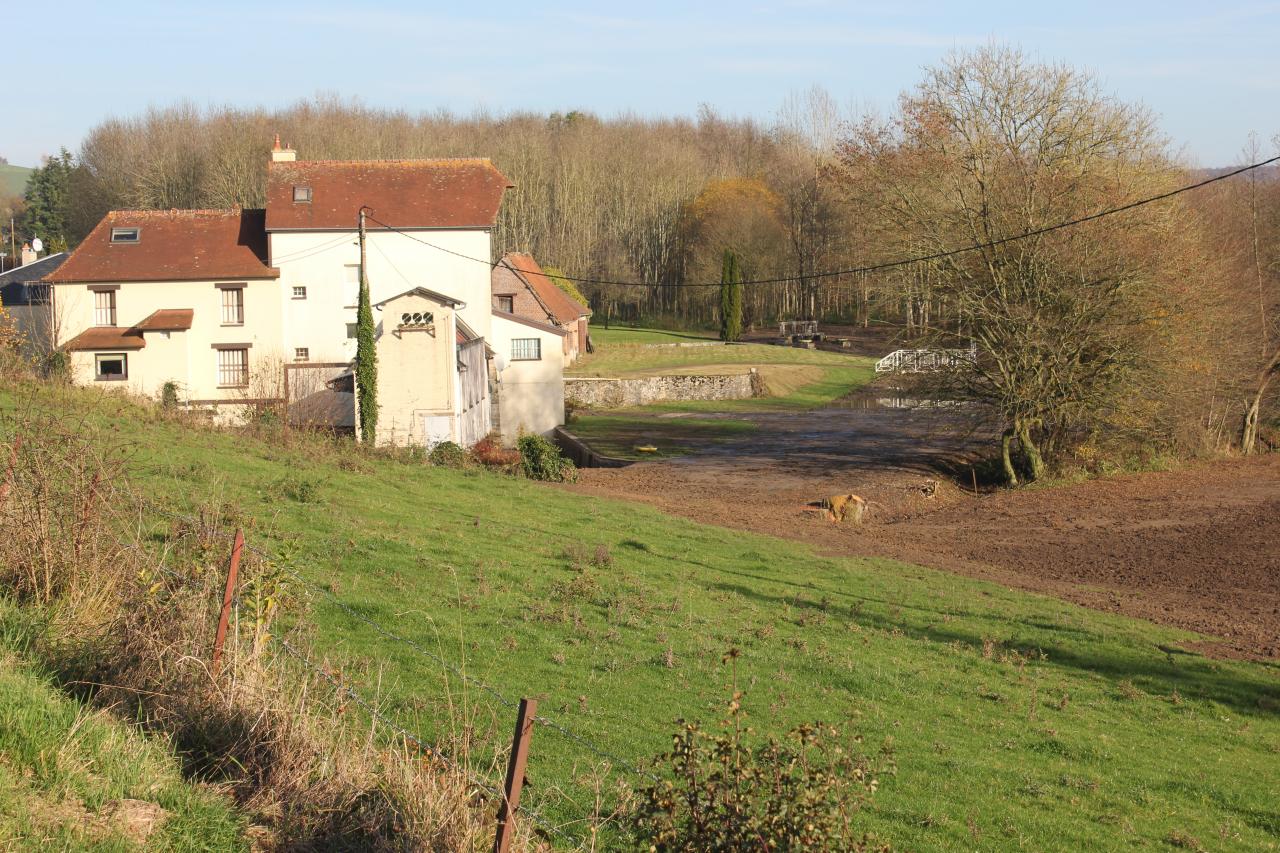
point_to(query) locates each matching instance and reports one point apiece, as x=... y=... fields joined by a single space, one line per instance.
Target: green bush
x=723 y=793
x=169 y=395
x=446 y=454
x=541 y=460
x=58 y=366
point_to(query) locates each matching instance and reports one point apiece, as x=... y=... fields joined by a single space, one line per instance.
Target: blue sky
x=1211 y=74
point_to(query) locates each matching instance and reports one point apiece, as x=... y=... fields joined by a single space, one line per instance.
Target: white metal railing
x=925 y=360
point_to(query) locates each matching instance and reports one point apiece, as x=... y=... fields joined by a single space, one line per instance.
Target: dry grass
x=124 y=619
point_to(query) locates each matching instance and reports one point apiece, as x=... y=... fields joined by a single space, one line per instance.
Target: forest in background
x=1158 y=324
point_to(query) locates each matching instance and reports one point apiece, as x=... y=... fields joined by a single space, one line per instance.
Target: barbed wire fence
x=612 y=763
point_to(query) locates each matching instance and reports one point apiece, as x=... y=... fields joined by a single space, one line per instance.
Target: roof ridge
x=186 y=211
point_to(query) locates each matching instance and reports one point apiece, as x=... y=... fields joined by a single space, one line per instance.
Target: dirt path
x=1198 y=548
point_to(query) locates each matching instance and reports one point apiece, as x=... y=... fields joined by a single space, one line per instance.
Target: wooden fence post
x=515 y=775
x=232 y=570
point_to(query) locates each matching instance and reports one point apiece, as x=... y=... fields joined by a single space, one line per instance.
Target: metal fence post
x=232 y=570
x=515 y=775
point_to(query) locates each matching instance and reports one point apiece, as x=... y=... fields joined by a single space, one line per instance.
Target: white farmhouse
x=234 y=308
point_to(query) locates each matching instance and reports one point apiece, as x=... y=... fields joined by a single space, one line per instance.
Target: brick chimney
x=282 y=155
x=29 y=255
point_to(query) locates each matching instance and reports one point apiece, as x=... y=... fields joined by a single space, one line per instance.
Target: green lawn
x=13 y=180
x=618 y=335
x=1016 y=721
x=64 y=769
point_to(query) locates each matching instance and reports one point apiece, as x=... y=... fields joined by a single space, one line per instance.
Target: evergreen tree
x=730 y=298
x=366 y=365
x=48 y=201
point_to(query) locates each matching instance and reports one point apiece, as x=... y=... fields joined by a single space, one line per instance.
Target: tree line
x=1155 y=327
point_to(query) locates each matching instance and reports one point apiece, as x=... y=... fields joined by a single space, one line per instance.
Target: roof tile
x=453 y=193
x=174 y=245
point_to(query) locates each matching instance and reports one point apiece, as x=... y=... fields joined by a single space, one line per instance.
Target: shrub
x=446 y=454
x=57 y=366
x=723 y=793
x=169 y=395
x=541 y=460
x=489 y=452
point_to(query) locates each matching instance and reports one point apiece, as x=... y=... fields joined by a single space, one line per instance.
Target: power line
x=1036 y=232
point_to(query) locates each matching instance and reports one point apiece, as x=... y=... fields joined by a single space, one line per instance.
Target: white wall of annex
x=397 y=262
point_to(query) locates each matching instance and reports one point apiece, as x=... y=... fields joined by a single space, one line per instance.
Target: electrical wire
x=1036 y=232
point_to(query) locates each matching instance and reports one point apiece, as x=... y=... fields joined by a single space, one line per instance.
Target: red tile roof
x=106 y=337
x=173 y=245
x=167 y=320
x=561 y=306
x=458 y=193
x=525 y=321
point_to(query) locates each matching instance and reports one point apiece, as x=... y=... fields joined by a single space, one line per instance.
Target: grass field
x=1016 y=721
x=13 y=179
x=65 y=768
x=618 y=335
x=797 y=379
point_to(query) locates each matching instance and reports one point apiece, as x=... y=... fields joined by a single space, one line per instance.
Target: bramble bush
x=490 y=453
x=541 y=460
x=724 y=793
x=447 y=454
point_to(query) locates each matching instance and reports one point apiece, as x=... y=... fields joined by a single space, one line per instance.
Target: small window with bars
x=301 y=353
x=299 y=292
x=526 y=349
x=104 y=308
x=233 y=306
x=233 y=368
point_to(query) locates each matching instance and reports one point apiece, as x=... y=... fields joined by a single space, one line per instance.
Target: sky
x=1210 y=71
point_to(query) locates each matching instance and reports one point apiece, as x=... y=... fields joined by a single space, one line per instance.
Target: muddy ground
x=1198 y=548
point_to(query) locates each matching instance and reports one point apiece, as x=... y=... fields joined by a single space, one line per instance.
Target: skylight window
x=125 y=235
x=302 y=195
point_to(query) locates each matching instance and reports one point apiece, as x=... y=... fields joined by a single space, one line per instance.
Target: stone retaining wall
x=595 y=393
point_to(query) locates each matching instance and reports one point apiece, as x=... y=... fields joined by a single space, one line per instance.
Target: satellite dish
x=37 y=246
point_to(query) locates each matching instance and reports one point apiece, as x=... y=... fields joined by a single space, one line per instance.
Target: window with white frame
x=302 y=194
x=299 y=292
x=232 y=306
x=526 y=349
x=110 y=367
x=104 y=307
x=126 y=235
x=233 y=368
x=301 y=353
x=351 y=285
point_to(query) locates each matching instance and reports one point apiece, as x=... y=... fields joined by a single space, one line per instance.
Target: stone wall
x=594 y=393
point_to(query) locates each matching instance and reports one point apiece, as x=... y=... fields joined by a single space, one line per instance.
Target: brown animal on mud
x=841 y=508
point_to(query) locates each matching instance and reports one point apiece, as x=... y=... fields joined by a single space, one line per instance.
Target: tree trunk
x=1249 y=428
x=1006 y=459
x=1035 y=462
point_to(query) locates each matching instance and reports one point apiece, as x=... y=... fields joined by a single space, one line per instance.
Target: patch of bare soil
x=1198 y=548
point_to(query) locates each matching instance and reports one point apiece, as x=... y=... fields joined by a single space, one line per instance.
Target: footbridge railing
x=925 y=360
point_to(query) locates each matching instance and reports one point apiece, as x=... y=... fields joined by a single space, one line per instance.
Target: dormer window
x=302 y=195
x=125 y=235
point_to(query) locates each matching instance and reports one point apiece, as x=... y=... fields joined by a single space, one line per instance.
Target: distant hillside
x=13 y=180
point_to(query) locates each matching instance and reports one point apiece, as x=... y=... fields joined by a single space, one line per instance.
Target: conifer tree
x=730 y=298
